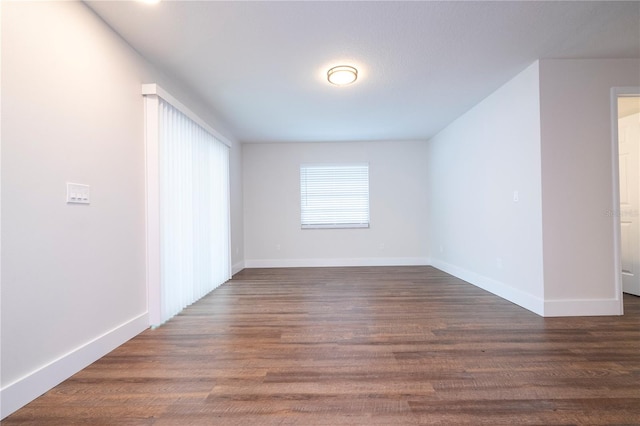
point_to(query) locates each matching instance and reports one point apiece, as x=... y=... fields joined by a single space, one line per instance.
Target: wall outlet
x=516 y=196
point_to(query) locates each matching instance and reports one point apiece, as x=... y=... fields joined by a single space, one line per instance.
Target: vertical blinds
x=194 y=211
x=334 y=196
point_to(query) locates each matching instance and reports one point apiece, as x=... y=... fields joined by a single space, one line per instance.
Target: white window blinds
x=194 y=211
x=188 y=220
x=334 y=196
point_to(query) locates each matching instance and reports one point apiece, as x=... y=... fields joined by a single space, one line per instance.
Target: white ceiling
x=261 y=66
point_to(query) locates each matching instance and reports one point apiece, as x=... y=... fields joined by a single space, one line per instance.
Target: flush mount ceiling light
x=342 y=75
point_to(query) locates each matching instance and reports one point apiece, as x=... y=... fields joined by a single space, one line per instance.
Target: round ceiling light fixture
x=342 y=75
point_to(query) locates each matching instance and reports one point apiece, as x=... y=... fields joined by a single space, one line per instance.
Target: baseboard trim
x=582 y=307
x=31 y=386
x=237 y=267
x=520 y=298
x=319 y=263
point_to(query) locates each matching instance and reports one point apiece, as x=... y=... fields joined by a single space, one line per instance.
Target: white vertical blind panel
x=334 y=196
x=194 y=211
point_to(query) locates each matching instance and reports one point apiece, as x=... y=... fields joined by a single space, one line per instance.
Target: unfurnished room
x=319 y=212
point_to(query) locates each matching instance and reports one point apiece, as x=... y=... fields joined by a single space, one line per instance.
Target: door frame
x=617 y=92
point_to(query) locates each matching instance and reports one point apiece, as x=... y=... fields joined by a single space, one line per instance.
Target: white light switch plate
x=78 y=193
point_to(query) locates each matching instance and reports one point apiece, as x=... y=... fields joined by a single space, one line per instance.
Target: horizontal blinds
x=334 y=195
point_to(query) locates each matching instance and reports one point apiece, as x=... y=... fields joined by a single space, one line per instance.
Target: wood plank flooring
x=358 y=346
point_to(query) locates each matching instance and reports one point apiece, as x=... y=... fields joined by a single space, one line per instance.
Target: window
x=334 y=196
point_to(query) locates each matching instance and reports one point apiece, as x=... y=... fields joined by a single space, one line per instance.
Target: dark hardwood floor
x=358 y=346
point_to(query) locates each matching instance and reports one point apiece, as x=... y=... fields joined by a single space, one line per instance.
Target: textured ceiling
x=261 y=66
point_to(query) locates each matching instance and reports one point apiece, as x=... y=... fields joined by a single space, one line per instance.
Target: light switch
x=78 y=193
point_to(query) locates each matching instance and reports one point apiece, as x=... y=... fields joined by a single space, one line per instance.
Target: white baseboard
x=582 y=308
x=237 y=267
x=31 y=386
x=520 y=298
x=318 y=263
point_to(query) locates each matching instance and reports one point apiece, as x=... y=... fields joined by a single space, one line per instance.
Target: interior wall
x=478 y=231
x=73 y=276
x=577 y=183
x=398 y=206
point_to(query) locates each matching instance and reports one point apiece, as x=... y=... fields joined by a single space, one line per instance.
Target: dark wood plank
x=354 y=346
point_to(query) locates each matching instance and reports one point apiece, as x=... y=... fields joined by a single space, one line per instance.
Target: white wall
x=73 y=277
x=477 y=232
x=398 y=206
x=577 y=183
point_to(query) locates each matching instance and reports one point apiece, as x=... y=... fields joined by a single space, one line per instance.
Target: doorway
x=626 y=106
